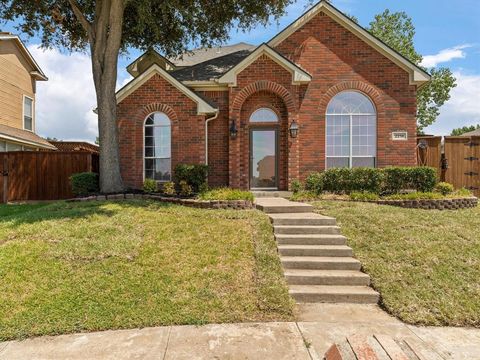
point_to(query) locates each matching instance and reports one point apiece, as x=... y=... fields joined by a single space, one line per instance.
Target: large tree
x=396 y=29
x=106 y=27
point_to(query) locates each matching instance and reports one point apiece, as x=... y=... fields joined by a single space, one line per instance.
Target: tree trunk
x=105 y=49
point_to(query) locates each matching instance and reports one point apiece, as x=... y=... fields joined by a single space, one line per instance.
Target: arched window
x=351 y=133
x=158 y=144
x=264 y=115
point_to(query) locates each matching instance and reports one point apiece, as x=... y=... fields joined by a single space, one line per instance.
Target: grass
x=425 y=263
x=226 y=194
x=69 y=267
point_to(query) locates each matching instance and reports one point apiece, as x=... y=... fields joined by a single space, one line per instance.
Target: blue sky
x=447 y=34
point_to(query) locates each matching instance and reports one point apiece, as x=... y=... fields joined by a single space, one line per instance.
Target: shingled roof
x=200 y=55
x=24 y=136
x=211 y=69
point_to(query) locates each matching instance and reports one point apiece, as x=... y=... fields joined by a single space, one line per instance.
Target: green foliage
x=168 y=188
x=464 y=129
x=185 y=188
x=461 y=193
x=364 y=196
x=444 y=188
x=194 y=175
x=396 y=179
x=314 y=182
x=149 y=185
x=84 y=184
x=345 y=180
x=226 y=194
x=396 y=29
x=415 y=196
x=167 y=26
x=296 y=186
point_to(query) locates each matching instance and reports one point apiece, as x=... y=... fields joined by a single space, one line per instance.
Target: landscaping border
x=433 y=204
x=204 y=204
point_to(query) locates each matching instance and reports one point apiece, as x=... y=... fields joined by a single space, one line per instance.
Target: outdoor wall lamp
x=233 y=130
x=293 y=129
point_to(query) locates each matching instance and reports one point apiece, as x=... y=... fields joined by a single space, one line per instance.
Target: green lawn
x=425 y=263
x=68 y=267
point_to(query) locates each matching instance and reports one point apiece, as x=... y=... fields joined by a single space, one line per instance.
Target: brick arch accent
x=362 y=87
x=264 y=85
x=158 y=107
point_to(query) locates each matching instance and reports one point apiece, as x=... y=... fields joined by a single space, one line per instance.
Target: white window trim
x=350 y=157
x=143 y=148
x=33 y=113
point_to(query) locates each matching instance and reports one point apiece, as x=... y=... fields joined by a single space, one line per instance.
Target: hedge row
x=390 y=180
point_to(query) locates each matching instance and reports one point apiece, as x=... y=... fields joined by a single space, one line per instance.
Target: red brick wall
x=338 y=60
x=261 y=82
x=188 y=128
x=218 y=140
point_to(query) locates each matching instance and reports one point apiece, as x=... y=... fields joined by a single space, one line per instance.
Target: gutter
x=206 y=134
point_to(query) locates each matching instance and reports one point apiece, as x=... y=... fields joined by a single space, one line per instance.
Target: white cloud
x=65 y=102
x=462 y=109
x=445 y=55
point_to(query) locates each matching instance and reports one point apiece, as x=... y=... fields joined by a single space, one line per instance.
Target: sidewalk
x=318 y=326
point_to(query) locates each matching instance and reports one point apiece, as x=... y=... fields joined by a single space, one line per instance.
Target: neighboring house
x=475 y=132
x=19 y=74
x=352 y=98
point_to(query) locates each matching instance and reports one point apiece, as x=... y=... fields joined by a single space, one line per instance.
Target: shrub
x=194 y=175
x=396 y=179
x=84 y=184
x=345 y=180
x=149 y=185
x=185 y=188
x=444 y=188
x=364 y=196
x=305 y=195
x=423 y=178
x=168 y=188
x=226 y=194
x=314 y=182
x=296 y=186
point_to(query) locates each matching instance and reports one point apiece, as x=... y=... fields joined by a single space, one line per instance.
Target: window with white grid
x=351 y=131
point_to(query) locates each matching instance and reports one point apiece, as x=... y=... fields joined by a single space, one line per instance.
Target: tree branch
x=82 y=19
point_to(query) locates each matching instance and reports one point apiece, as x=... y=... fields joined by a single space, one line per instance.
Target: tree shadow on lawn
x=15 y=215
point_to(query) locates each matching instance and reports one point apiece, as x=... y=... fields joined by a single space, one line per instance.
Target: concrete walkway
x=317 y=328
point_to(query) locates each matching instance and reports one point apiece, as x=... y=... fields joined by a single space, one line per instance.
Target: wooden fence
x=29 y=175
x=459 y=155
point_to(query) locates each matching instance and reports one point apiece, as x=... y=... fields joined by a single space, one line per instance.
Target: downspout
x=206 y=134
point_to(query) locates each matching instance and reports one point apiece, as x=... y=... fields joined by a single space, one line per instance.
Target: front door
x=263 y=159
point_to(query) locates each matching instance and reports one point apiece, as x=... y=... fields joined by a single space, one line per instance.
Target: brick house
x=322 y=93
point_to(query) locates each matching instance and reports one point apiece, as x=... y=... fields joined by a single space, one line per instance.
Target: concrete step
x=311 y=239
x=301 y=219
x=305 y=229
x=320 y=262
x=315 y=250
x=326 y=277
x=280 y=205
x=334 y=294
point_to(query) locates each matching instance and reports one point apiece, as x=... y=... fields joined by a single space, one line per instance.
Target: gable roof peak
x=418 y=76
x=299 y=76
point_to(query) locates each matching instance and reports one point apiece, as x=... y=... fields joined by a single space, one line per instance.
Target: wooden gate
x=29 y=175
x=463 y=157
